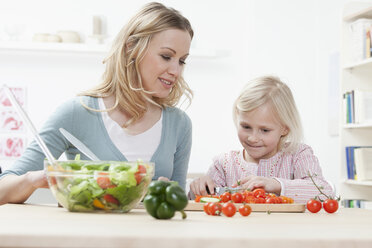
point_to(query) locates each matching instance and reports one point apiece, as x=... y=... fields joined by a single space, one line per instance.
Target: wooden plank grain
x=285 y=208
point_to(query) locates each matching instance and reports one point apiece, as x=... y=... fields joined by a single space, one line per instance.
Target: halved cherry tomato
x=245 y=210
x=197 y=198
x=214 y=208
x=225 y=197
x=313 y=205
x=260 y=200
x=259 y=192
x=237 y=197
x=229 y=209
x=137 y=175
x=110 y=198
x=103 y=182
x=330 y=205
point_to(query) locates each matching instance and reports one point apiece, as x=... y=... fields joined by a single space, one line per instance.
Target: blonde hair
x=269 y=89
x=122 y=78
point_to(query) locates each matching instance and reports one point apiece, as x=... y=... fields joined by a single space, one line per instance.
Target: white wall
x=287 y=38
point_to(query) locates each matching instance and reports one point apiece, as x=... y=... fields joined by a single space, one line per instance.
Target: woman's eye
x=165 y=57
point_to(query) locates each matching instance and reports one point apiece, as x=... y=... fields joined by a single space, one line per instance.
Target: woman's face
x=164 y=61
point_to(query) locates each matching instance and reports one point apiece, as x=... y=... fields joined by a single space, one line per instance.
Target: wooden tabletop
x=23 y=225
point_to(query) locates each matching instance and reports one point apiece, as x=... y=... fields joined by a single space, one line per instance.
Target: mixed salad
x=85 y=186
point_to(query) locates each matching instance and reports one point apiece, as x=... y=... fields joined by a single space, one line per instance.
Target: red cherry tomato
x=259 y=192
x=260 y=200
x=237 y=197
x=245 y=210
x=214 y=208
x=330 y=205
x=314 y=205
x=229 y=209
x=110 y=198
x=103 y=182
x=225 y=197
x=271 y=200
x=206 y=208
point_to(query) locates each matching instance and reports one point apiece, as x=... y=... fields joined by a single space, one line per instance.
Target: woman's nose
x=175 y=69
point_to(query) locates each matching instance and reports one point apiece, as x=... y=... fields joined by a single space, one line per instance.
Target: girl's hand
x=166 y=179
x=199 y=186
x=270 y=185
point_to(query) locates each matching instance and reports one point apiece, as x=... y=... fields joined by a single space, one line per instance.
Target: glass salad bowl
x=105 y=186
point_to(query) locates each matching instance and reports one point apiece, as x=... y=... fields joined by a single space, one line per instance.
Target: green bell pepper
x=163 y=199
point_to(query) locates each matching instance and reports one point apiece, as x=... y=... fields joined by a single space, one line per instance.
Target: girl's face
x=259 y=132
x=164 y=61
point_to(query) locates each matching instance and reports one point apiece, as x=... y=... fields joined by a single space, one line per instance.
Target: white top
x=133 y=147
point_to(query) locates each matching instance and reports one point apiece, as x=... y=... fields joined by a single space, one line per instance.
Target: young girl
x=273 y=157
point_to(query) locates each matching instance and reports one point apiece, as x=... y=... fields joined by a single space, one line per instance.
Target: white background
x=294 y=40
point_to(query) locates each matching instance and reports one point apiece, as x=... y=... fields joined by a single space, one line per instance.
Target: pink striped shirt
x=290 y=169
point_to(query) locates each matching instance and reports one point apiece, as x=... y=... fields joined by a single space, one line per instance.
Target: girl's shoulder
x=301 y=150
x=233 y=156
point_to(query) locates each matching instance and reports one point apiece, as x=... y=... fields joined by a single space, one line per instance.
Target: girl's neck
x=249 y=159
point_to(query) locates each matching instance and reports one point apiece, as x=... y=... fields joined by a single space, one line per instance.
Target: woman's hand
x=37 y=179
x=17 y=189
x=166 y=179
x=199 y=186
x=270 y=185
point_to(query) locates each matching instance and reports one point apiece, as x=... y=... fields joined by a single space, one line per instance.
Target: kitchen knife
x=78 y=144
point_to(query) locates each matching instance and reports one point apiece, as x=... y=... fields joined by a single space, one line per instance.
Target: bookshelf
x=354 y=75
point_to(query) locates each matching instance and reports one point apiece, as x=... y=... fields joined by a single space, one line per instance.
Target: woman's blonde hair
x=269 y=89
x=122 y=78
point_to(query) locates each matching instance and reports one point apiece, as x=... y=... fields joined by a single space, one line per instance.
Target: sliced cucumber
x=209 y=199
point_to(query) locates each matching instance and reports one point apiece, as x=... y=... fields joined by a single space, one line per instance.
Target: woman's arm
x=17 y=189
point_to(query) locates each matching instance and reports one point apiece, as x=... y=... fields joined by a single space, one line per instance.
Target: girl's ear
x=285 y=131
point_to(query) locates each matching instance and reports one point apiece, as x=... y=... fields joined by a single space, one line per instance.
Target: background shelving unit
x=83 y=48
x=354 y=75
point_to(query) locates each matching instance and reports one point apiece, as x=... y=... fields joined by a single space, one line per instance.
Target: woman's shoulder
x=175 y=114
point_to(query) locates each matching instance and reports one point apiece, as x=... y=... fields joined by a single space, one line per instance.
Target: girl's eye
x=246 y=127
x=182 y=62
x=265 y=130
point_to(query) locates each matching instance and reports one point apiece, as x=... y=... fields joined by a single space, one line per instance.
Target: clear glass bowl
x=108 y=186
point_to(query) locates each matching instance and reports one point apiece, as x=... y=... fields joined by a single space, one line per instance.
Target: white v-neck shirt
x=133 y=147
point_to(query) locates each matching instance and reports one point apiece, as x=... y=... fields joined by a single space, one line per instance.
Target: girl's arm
x=301 y=188
x=17 y=189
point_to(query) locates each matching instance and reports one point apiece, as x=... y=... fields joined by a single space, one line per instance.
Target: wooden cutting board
x=289 y=208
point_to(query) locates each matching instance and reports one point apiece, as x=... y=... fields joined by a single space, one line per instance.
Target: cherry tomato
x=229 y=209
x=206 y=208
x=260 y=200
x=225 y=197
x=245 y=210
x=314 y=205
x=250 y=199
x=330 y=205
x=214 y=208
x=284 y=199
x=237 y=197
x=271 y=200
x=110 y=198
x=259 y=192
x=103 y=182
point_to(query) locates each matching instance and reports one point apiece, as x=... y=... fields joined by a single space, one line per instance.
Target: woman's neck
x=151 y=116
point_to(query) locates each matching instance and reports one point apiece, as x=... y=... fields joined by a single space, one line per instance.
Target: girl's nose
x=253 y=138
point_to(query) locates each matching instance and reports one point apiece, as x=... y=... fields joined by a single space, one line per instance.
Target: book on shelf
x=358 y=38
x=356 y=203
x=350 y=162
x=357 y=106
x=363 y=163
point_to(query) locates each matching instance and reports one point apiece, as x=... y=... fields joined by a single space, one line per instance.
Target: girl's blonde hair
x=122 y=78
x=271 y=90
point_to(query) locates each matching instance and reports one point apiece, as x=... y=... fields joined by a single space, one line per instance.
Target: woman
x=131 y=114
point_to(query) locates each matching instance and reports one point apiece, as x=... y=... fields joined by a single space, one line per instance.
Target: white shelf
x=366 y=62
x=360 y=183
x=363 y=125
x=83 y=48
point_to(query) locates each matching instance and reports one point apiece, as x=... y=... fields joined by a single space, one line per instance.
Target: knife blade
x=78 y=144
